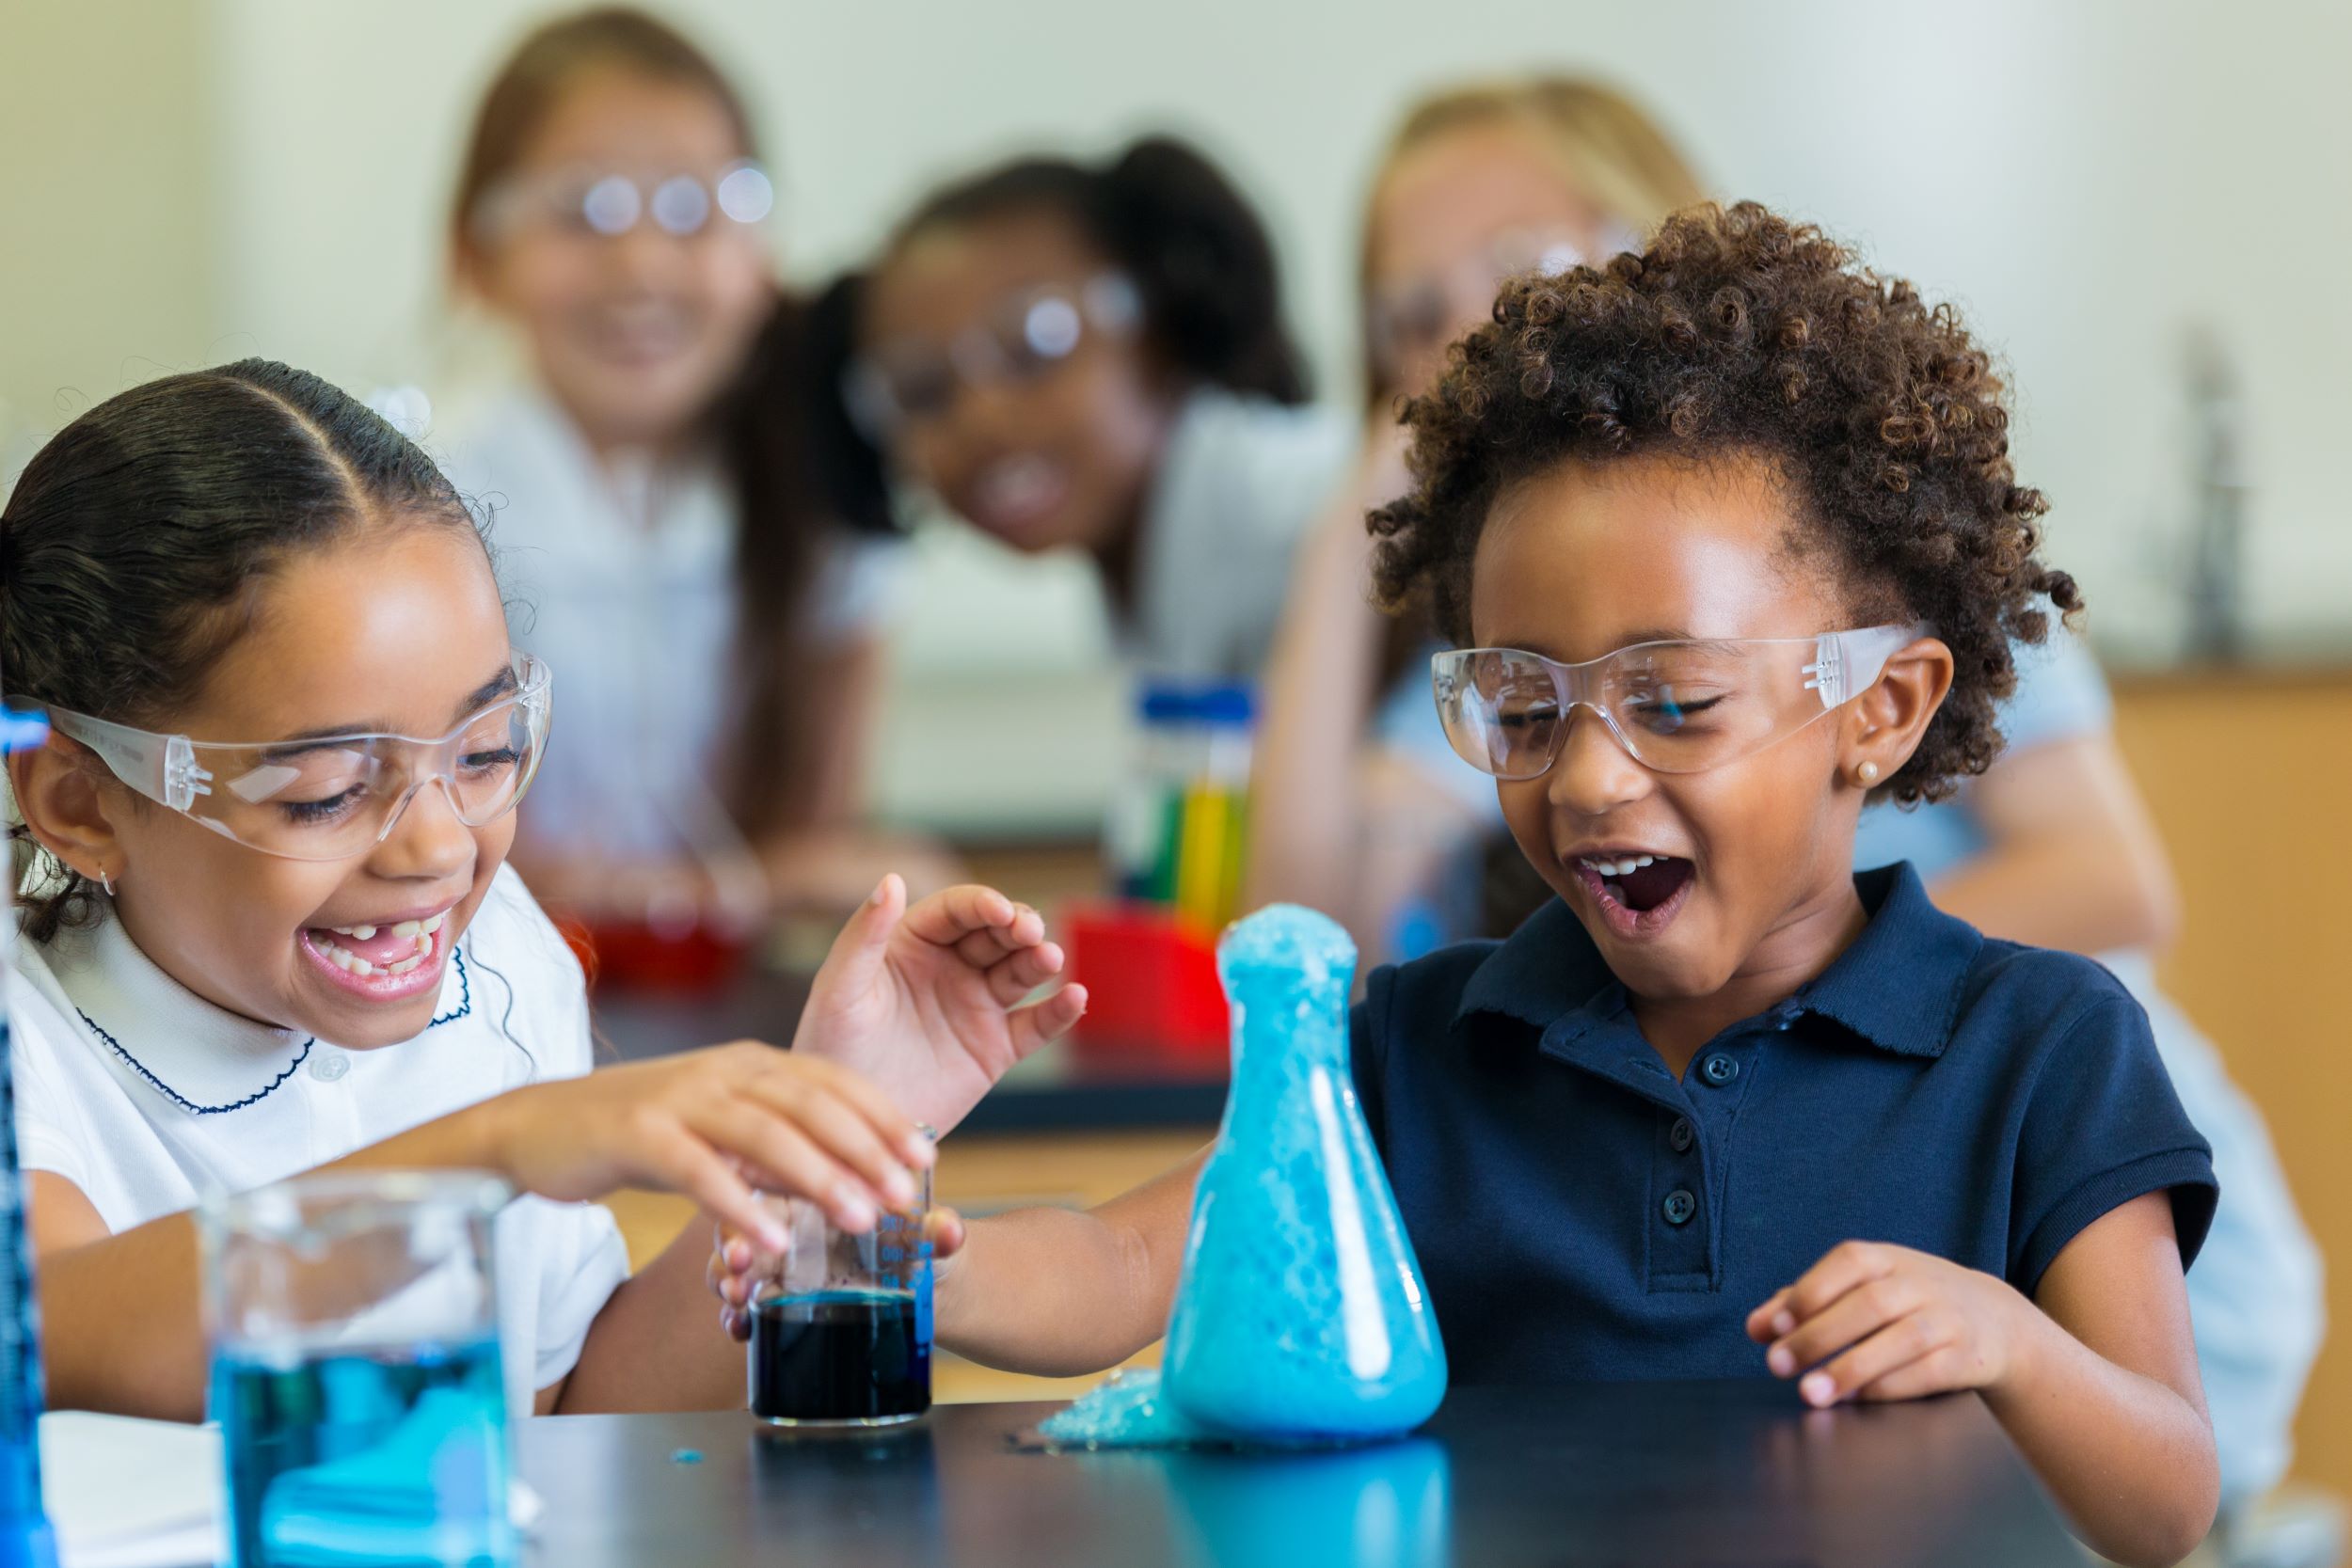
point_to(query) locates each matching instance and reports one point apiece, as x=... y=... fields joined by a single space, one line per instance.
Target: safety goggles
x=609 y=203
x=1024 y=337
x=325 y=797
x=1675 y=707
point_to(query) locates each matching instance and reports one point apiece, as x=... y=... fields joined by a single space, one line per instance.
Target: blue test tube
x=26 y=1539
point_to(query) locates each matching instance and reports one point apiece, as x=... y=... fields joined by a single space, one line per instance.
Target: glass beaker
x=355 y=1371
x=1301 y=1314
x=841 y=1322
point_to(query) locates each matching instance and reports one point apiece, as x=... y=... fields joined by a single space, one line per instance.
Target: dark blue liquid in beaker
x=396 y=1458
x=840 y=1356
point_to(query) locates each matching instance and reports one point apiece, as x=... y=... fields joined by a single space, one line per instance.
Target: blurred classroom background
x=2139 y=205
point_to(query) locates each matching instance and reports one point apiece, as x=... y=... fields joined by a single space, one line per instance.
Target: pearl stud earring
x=1866 y=774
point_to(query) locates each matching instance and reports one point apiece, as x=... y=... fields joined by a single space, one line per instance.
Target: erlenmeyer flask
x=1301 y=1314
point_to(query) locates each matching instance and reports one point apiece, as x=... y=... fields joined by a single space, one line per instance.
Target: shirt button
x=1719 y=1070
x=1682 y=1135
x=327 y=1066
x=1680 y=1206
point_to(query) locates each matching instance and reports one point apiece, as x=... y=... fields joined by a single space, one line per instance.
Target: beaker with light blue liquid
x=355 y=1371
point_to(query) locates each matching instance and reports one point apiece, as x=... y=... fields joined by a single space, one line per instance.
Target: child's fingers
x=1845 y=1266
x=950 y=918
x=1851 y=1318
x=944 y=1230
x=1772 y=1319
x=683 y=1164
x=1941 y=1370
x=843 y=1133
x=855 y=958
x=787 y=1160
x=866 y=1098
x=1049 y=1019
x=737 y=1324
x=1021 y=973
x=1896 y=1346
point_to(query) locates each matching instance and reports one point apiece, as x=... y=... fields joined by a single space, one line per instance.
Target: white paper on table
x=130 y=1494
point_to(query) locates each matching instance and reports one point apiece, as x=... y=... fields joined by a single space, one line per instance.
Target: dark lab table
x=1732 y=1475
x=1057 y=1090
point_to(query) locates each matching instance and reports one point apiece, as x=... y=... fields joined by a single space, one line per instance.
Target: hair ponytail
x=1182 y=232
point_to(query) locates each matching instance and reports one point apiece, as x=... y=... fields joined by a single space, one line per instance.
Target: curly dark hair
x=1739 y=333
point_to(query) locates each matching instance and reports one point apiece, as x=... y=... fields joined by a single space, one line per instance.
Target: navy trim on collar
x=1897 y=986
x=465 y=990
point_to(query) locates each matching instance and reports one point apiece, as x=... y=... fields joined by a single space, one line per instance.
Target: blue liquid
x=392 y=1458
x=862 y=1356
x=26 y=1540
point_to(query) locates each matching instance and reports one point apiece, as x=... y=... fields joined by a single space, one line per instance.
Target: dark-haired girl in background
x=1093 y=357
x=710 y=595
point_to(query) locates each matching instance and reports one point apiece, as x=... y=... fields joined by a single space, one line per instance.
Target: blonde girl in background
x=1358 y=807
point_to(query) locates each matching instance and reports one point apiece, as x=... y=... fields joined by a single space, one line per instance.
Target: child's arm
x=1053 y=1292
x=123 y=1328
x=2095 y=1379
x=1059 y=1292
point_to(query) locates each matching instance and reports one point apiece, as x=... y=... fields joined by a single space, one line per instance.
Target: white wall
x=2085 y=177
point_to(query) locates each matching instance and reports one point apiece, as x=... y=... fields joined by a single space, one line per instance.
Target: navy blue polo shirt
x=1580 y=1214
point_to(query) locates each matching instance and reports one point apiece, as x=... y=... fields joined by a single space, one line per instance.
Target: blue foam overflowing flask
x=26 y=1540
x=1301 y=1316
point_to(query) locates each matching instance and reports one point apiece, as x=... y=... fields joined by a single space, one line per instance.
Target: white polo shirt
x=147 y=1096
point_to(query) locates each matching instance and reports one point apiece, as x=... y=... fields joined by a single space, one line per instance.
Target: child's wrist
x=2025 y=1332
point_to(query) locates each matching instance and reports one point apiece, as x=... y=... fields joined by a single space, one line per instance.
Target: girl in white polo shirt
x=270 y=928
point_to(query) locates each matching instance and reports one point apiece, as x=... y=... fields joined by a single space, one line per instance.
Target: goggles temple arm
x=163 y=768
x=1847 y=663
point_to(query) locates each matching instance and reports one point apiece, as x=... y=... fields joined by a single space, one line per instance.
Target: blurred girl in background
x=708 y=592
x=1093 y=357
x=1357 y=806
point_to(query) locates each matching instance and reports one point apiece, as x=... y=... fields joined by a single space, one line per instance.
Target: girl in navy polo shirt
x=1727 y=541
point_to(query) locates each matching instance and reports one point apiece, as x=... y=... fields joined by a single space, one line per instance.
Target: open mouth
x=380 y=962
x=1638 y=893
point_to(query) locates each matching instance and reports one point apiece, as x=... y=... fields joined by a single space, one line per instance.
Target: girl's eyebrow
x=481 y=696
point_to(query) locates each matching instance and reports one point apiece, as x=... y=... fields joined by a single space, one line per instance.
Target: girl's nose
x=1593 y=771
x=426 y=840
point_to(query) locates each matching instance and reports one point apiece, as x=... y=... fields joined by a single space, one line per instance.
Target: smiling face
x=1749 y=874
x=399 y=630
x=1060 y=456
x=633 y=334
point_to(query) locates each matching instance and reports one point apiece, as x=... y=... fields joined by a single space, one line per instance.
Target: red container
x=634 y=955
x=1152 y=985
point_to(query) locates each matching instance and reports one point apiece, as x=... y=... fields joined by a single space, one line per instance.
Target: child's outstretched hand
x=712 y=1124
x=925 y=1002
x=1878 y=1321
x=734 y=1259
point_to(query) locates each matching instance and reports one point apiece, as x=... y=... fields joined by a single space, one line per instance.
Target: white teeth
x=360 y=965
x=408 y=928
x=1625 y=867
x=1640 y=860
x=405 y=965
x=434 y=924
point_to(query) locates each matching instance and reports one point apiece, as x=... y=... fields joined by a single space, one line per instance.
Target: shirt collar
x=199 y=1058
x=1896 y=987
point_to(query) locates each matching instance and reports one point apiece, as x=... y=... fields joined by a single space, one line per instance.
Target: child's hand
x=1879 y=1322
x=733 y=1258
x=712 y=1124
x=925 y=1002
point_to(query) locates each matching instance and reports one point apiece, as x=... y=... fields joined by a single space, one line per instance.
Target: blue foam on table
x=1301 y=1316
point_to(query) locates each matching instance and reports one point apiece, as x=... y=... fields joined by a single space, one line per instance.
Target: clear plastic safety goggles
x=1023 y=337
x=325 y=797
x=609 y=203
x=1675 y=706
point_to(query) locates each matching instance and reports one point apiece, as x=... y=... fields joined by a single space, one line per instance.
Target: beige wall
x=109 y=191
